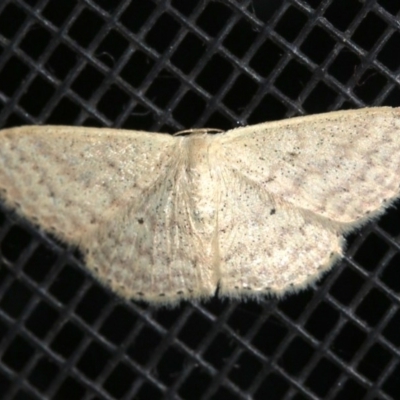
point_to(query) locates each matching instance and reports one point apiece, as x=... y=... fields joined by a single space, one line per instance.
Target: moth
x=252 y=211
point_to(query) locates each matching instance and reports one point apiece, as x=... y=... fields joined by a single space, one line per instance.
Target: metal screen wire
x=173 y=65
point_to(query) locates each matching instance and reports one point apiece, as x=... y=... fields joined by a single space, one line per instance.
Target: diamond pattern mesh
x=172 y=65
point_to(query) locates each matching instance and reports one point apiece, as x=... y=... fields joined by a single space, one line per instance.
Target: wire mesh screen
x=173 y=65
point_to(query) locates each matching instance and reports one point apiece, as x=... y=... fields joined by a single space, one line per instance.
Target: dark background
x=168 y=66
